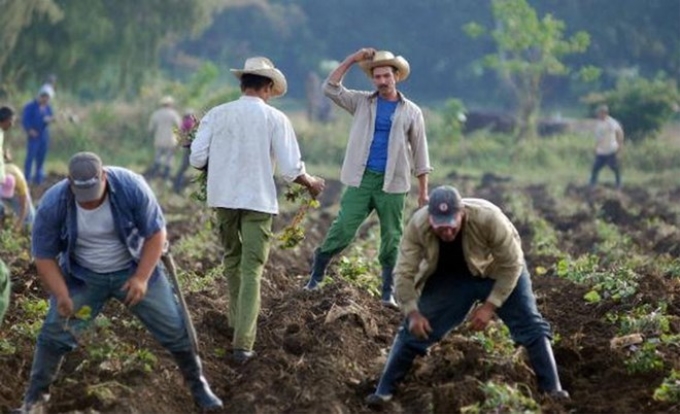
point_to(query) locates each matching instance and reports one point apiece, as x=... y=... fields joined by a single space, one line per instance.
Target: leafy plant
x=645 y=358
x=502 y=398
x=293 y=234
x=669 y=390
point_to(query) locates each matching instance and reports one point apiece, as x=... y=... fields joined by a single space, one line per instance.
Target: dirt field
x=323 y=351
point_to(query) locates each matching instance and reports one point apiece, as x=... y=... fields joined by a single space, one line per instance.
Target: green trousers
x=4 y=289
x=246 y=237
x=355 y=206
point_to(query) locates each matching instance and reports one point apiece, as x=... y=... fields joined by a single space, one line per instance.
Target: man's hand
x=33 y=133
x=136 y=290
x=365 y=53
x=65 y=306
x=418 y=325
x=481 y=316
x=316 y=186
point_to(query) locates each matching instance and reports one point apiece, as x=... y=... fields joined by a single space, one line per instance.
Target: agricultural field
x=603 y=263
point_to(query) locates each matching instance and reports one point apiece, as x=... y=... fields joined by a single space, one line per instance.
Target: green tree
x=16 y=15
x=528 y=50
x=642 y=105
x=106 y=46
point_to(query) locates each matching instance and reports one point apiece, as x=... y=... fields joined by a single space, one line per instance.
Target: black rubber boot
x=190 y=366
x=321 y=261
x=543 y=362
x=387 y=292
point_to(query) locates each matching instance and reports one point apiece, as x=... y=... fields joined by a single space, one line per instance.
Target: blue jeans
x=36 y=152
x=445 y=302
x=609 y=160
x=158 y=311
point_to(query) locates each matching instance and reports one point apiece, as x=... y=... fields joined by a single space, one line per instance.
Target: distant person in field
x=189 y=123
x=387 y=144
x=50 y=84
x=6 y=122
x=19 y=199
x=164 y=123
x=99 y=235
x=242 y=143
x=36 y=119
x=608 y=145
x=462 y=258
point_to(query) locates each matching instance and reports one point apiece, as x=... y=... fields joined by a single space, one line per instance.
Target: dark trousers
x=609 y=160
x=445 y=302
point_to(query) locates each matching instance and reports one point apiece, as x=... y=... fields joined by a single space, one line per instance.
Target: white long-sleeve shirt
x=243 y=142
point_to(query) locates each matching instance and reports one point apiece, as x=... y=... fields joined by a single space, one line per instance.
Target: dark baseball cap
x=445 y=203
x=85 y=174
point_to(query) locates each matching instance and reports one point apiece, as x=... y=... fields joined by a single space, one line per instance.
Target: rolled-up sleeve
x=46 y=238
x=345 y=98
x=200 y=146
x=418 y=141
x=286 y=149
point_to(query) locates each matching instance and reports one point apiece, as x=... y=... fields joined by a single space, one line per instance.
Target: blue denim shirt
x=136 y=215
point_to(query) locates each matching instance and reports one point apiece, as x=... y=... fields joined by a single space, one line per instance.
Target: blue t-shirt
x=377 y=158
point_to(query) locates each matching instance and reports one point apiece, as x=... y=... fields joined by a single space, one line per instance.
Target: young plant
x=669 y=390
x=293 y=234
x=502 y=398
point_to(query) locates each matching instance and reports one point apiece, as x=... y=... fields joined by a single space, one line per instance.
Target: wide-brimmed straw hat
x=386 y=58
x=264 y=67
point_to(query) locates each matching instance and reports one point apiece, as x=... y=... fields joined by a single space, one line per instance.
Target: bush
x=642 y=106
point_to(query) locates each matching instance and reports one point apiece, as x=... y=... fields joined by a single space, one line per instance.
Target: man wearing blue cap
x=456 y=254
x=99 y=235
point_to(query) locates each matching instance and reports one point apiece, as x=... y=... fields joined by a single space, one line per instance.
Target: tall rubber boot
x=321 y=261
x=46 y=363
x=190 y=367
x=387 y=296
x=543 y=362
x=398 y=364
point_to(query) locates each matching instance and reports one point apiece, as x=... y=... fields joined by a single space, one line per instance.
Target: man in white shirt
x=609 y=142
x=240 y=142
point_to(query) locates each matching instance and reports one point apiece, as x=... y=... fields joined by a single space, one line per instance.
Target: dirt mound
x=323 y=351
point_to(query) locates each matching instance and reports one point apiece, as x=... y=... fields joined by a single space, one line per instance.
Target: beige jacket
x=491 y=245
x=407 y=152
x=164 y=122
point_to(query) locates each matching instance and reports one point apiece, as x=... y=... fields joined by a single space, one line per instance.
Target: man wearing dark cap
x=456 y=254
x=99 y=234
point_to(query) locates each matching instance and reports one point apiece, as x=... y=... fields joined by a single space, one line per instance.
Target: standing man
x=239 y=142
x=609 y=142
x=99 y=235
x=457 y=254
x=164 y=122
x=19 y=199
x=387 y=144
x=36 y=118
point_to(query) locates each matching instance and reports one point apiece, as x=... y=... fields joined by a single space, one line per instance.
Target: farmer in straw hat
x=240 y=142
x=387 y=143
x=164 y=122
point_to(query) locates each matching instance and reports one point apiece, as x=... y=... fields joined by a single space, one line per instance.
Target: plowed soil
x=323 y=351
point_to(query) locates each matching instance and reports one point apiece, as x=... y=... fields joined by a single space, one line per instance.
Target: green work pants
x=246 y=237
x=4 y=289
x=355 y=206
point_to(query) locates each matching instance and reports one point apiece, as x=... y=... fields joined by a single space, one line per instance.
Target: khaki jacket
x=491 y=246
x=407 y=152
